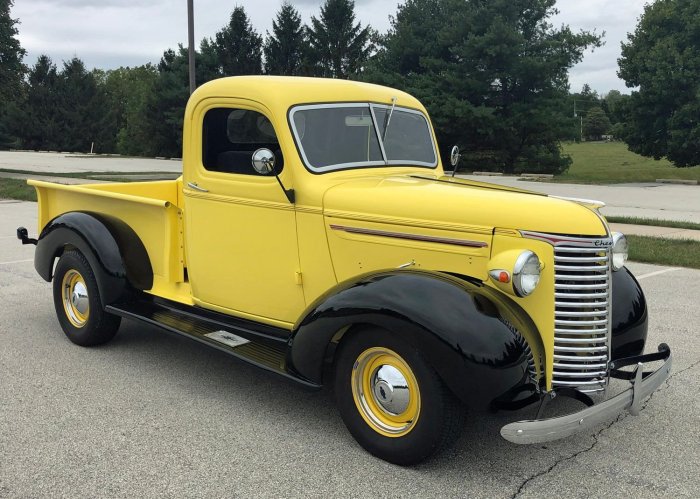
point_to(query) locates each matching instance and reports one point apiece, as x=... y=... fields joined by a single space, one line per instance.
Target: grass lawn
x=87 y=175
x=673 y=252
x=611 y=162
x=12 y=188
x=677 y=224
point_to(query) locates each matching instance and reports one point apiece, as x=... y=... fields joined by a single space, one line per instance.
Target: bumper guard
x=643 y=385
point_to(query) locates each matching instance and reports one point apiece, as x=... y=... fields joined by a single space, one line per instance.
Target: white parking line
x=658 y=272
x=16 y=261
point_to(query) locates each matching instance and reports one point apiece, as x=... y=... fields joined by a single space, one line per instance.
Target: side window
x=231 y=136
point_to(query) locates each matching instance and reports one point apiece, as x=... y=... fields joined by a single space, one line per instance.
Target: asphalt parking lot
x=154 y=415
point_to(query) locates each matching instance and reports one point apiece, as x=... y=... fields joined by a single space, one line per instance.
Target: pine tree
x=238 y=46
x=38 y=124
x=339 y=47
x=284 y=49
x=12 y=71
x=493 y=74
x=81 y=109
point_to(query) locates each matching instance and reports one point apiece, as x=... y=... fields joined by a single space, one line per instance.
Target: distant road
x=645 y=200
x=49 y=162
x=652 y=200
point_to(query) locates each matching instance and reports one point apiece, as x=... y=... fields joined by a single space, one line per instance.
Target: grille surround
x=582 y=310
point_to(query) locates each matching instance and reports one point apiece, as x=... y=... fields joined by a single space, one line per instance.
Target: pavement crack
x=619 y=418
x=525 y=482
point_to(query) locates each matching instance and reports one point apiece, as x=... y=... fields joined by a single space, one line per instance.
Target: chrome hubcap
x=390 y=389
x=76 y=301
x=79 y=298
x=386 y=392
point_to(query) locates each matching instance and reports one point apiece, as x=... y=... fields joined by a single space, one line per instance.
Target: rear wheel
x=391 y=400
x=77 y=301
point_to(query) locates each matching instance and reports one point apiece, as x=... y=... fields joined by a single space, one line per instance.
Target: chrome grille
x=581 y=313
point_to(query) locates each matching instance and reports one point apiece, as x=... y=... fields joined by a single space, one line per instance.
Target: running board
x=256 y=348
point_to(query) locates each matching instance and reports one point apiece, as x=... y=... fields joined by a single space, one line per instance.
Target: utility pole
x=575 y=115
x=190 y=43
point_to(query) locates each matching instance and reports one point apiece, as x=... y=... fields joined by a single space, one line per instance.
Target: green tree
x=12 y=71
x=662 y=59
x=81 y=110
x=238 y=46
x=125 y=91
x=493 y=74
x=339 y=47
x=596 y=123
x=285 y=48
x=38 y=124
x=164 y=106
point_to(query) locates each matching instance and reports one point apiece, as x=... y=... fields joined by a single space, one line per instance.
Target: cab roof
x=279 y=93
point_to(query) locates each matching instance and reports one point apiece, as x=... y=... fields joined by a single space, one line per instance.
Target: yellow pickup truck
x=314 y=234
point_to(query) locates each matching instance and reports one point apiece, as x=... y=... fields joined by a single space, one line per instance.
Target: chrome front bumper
x=642 y=385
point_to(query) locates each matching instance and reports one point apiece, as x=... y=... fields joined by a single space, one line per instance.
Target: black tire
x=94 y=326
x=417 y=435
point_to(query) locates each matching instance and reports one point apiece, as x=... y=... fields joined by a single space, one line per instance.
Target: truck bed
x=152 y=209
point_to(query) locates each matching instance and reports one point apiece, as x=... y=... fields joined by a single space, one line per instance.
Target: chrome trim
x=193 y=185
x=603 y=339
x=363 y=164
x=576 y=357
x=616 y=238
x=593 y=304
x=390 y=389
x=520 y=263
x=410 y=237
x=582 y=309
x=546 y=430
x=394 y=162
x=593 y=202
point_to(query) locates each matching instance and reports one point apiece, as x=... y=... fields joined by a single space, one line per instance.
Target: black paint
x=456 y=325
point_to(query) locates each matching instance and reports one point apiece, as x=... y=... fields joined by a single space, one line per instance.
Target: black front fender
x=469 y=333
x=629 y=315
x=114 y=251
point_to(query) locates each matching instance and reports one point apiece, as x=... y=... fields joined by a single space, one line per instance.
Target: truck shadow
x=309 y=420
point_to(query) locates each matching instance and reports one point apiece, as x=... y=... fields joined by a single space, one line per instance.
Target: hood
x=457 y=204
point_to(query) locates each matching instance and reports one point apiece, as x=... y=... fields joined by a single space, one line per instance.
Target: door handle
x=194 y=186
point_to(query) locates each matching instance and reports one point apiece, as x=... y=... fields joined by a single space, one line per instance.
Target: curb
x=676 y=181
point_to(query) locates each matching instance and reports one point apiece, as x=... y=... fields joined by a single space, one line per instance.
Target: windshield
x=339 y=136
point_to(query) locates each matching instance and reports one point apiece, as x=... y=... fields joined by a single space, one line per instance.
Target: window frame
x=208 y=169
x=362 y=164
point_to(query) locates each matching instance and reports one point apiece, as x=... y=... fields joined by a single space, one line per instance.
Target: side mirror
x=263 y=161
x=454 y=156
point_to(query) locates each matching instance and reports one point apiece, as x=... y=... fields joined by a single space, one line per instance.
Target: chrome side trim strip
x=410 y=237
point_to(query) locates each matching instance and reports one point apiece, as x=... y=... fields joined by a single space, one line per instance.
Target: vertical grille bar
x=582 y=314
x=582 y=310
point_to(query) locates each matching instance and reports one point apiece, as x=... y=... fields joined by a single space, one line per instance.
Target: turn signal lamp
x=516 y=272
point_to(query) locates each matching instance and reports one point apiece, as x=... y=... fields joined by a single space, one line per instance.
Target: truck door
x=240 y=229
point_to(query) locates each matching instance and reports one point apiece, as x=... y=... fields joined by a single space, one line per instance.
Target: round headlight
x=620 y=250
x=526 y=273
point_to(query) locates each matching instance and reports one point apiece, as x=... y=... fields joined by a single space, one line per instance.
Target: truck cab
x=315 y=234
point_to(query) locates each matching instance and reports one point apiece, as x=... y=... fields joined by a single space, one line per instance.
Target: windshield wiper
x=387 y=120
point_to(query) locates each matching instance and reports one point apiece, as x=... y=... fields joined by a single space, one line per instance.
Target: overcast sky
x=111 y=33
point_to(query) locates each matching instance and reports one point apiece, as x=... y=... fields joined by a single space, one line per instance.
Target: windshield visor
x=340 y=136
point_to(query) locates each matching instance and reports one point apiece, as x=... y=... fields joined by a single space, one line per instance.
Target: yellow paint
x=377 y=418
x=245 y=247
x=75 y=316
x=540 y=304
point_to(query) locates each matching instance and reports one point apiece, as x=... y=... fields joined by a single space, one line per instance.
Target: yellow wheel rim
x=75 y=298
x=386 y=392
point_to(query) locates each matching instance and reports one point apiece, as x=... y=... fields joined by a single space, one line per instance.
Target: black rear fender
x=114 y=251
x=470 y=334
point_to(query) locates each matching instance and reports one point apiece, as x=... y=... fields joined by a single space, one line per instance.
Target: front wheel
x=76 y=298
x=391 y=400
